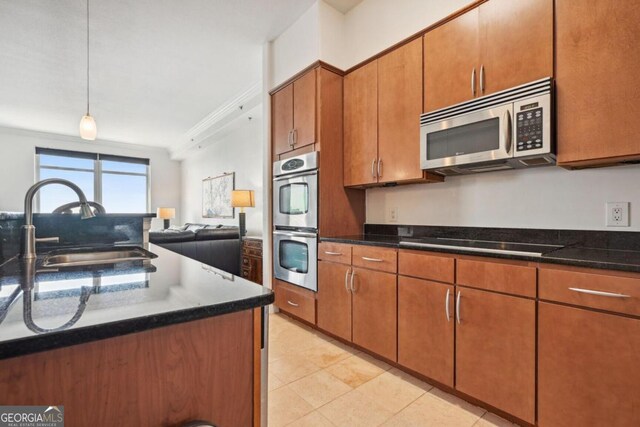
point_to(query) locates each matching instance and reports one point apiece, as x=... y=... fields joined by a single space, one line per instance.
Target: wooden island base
x=199 y=370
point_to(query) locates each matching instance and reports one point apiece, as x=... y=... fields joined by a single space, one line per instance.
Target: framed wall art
x=216 y=196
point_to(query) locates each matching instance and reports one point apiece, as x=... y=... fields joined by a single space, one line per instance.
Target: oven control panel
x=529 y=129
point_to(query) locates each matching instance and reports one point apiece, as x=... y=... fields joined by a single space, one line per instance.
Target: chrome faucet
x=28 y=249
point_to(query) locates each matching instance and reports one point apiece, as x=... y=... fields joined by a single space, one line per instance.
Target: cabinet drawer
x=497 y=276
x=252 y=243
x=334 y=252
x=426 y=266
x=252 y=252
x=296 y=301
x=374 y=258
x=591 y=288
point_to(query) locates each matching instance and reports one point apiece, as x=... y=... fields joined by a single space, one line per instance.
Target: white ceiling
x=158 y=67
x=343 y=6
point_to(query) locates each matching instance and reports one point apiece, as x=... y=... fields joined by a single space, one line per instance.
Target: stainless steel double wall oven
x=295 y=220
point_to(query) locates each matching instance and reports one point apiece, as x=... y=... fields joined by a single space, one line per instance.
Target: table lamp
x=166 y=214
x=243 y=199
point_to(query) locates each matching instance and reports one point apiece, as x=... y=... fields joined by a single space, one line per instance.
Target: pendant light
x=88 y=129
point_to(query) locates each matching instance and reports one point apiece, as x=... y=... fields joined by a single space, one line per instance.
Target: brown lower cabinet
x=426 y=327
x=374 y=311
x=334 y=299
x=496 y=350
x=587 y=368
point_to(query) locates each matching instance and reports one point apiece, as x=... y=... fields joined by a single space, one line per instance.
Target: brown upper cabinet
x=597 y=86
x=382 y=107
x=361 y=126
x=496 y=46
x=294 y=114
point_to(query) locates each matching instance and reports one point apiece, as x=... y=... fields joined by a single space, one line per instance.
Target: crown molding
x=217 y=121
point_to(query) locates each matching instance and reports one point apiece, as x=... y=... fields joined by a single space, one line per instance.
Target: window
x=120 y=184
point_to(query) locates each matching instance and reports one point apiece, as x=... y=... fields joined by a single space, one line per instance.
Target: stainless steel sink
x=94 y=256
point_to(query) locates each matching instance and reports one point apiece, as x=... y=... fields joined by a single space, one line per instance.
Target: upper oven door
x=480 y=136
x=295 y=200
x=295 y=257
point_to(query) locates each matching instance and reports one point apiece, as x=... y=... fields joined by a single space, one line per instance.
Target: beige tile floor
x=315 y=381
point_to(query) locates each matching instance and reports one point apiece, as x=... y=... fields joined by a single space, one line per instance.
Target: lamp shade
x=166 y=213
x=243 y=199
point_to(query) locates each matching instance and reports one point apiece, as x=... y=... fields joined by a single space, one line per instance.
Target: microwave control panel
x=529 y=129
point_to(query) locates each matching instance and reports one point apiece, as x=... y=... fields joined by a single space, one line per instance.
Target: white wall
x=296 y=48
x=375 y=25
x=17 y=166
x=241 y=151
x=548 y=197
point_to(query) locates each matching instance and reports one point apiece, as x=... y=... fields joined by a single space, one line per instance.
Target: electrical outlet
x=392 y=215
x=617 y=214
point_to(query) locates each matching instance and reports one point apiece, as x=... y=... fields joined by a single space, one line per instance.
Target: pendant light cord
x=87 y=57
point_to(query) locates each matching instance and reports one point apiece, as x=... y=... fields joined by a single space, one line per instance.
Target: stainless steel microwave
x=511 y=129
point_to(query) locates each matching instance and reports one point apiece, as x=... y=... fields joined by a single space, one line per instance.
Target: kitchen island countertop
x=72 y=306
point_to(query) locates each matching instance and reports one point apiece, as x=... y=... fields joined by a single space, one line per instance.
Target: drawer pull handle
x=371 y=259
x=458 y=306
x=332 y=253
x=599 y=293
x=446 y=306
x=293 y=303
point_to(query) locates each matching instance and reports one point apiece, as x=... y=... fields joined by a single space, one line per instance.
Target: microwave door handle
x=506 y=126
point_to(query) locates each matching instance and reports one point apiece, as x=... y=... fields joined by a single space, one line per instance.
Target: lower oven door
x=295 y=257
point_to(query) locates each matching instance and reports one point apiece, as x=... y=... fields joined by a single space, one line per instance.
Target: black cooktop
x=480 y=246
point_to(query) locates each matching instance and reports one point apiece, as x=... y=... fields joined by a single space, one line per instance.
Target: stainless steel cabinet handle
x=346 y=279
x=379 y=168
x=353 y=274
x=373 y=168
x=332 y=253
x=458 y=307
x=473 y=82
x=599 y=293
x=506 y=117
x=446 y=306
x=289 y=139
x=371 y=259
x=295 y=137
x=482 y=78
x=293 y=303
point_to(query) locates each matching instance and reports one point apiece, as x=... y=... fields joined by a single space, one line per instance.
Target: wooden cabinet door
x=496 y=351
x=375 y=311
x=450 y=56
x=587 y=368
x=399 y=109
x=304 y=110
x=334 y=299
x=516 y=43
x=425 y=332
x=361 y=125
x=282 y=120
x=597 y=84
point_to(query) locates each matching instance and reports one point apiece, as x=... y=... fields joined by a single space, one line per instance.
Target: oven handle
x=294 y=234
x=296 y=175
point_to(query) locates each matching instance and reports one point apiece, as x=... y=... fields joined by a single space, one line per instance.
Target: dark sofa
x=214 y=245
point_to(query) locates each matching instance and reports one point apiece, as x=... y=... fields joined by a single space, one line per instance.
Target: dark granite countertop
x=77 y=305
x=552 y=253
